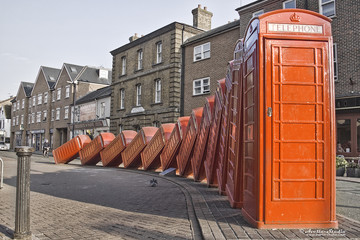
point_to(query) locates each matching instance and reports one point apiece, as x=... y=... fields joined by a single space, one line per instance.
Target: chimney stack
x=202 y=18
x=133 y=38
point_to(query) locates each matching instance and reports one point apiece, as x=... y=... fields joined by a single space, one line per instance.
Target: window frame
x=57 y=114
x=66 y=112
x=157 y=91
x=102 y=109
x=321 y=4
x=58 y=94
x=52 y=115
x=159 y=52
x=38 y=117
x=67 y=91
x=201 y=80
x=202 y=52
x=45 y=97
x=140 y=54
x=138 y=95
x=258 y=13
x=123 y=65
x=22 y=103
x=288 y=1
x=122 y=98
x=39 y=99
x=335 y=63
x=44 y=116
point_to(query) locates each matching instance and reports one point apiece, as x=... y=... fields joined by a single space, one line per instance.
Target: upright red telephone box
x=289 y=121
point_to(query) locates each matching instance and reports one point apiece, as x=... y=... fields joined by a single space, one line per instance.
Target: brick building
x=42 y=110
x=346 y=32
x=147 y=75
x=205 y=59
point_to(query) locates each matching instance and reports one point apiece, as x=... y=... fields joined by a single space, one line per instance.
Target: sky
x=50 y=32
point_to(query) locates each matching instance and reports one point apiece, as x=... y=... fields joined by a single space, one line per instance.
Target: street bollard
x=22 y=212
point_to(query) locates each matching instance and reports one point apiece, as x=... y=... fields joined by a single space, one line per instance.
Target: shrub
x=341 y=162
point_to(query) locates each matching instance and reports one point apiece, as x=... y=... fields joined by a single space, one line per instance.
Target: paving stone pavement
x=77 y=202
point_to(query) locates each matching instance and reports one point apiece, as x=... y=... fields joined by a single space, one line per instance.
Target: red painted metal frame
x=70 y=150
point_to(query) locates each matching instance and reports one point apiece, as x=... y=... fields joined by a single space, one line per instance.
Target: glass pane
x=290 y=4
x=197 y=50
x=207 y=54
x=197 y=83
x=197 y=90
x=206 y=47
x=328 y=9
x=343 y=127
x=206 y=81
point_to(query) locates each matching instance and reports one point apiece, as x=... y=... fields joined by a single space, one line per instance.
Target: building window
x=44 y=115
x=45 y=97
x=140 y=59
x=289 y=4
x=66 y=112
x=123 y=65
x=18 y=105
x=202 y=52
x=201 y=86
x=57 y=114
x=34 y=101
x=29 y=102
x=343 y=135
x=38 y=117
x=13 y=121
x=39 y=98
x=258 y=13
x=14 y=107
x=52 y=114
x=17 y=120
x=22 y=119
x=58 y=94
x=157 y=91
x=159 y=52
x=67 y=91
x=156 y=124
x=29 y=118
x=22 y=104
x=122 y=98
x=327 y=7
x=53 y=96
x=335 y=62
x=138 y=95
x=102 y=110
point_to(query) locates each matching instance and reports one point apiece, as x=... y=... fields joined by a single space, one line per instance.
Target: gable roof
x=98 y=94
x=73 y=70
x=51 y=75
x=92 y=75
x=213 y=32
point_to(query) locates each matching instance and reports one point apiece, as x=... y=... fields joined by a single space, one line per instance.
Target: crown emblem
x=295 y=18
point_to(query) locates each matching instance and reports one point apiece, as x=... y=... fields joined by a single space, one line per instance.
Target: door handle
x=269 y=111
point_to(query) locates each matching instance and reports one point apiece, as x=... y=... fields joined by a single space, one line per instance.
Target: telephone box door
x=297 y=125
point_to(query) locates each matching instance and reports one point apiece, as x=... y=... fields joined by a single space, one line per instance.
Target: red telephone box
x=131 y=154
x=197 y=160
x=210 y=162
x=187 y=145
x=111 y=155
x=221 y=155
x=234 y=180
x=90 y=154
x=150 y=156
x=172 y=146
x=289 y=121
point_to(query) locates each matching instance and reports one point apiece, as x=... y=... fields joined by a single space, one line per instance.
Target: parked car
x=3 y=147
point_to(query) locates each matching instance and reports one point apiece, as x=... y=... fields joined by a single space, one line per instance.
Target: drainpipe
x=182 y=76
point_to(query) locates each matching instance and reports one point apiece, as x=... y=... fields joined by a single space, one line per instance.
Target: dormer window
x=52 y=78
x=73 y=69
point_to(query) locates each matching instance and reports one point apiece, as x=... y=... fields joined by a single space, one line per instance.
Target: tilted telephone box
x=289 y=121
x=234 y=175
x=111 y=155
x=210 y=162
x=197 y=159
x=90 y=154
x=70 y=150
x=172 y=146
x=131 y=155
x=187 y=145
x=221 y=155
x=150 y=156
